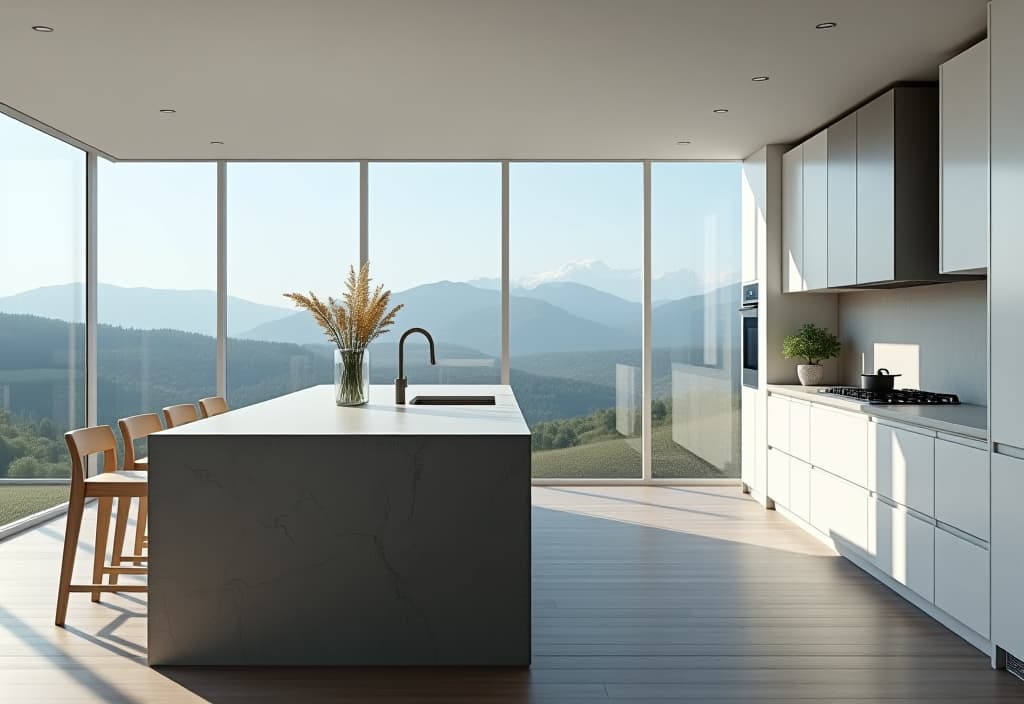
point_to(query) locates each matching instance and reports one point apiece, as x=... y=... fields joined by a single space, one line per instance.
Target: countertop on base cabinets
x=965 y=419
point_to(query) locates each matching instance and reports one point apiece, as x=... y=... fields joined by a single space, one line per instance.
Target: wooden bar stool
x=213 y=406
x=133 y=429
x=180 y=415
x=106 y=486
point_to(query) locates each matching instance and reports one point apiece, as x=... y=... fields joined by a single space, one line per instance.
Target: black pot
x=882 y=381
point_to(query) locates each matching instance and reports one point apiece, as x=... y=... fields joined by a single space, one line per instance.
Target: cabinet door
x=904 y=547
x=748 y=437
x=875 y=190
x=1007 y=546
x=839 y=510
x=962 y=487
x=1005 y=280
x=815 y=215
x=800 y=488
x=800 y=430
x=901 y=466
x=839 y=443
x=842 y=202
x=792 y=220
x=963 y=134
x=778 y=477
x=961 y=580
x=778 y=422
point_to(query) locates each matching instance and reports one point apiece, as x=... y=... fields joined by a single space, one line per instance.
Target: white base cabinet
x=800 y=489
x=778 y=477
x=901 y=466
x=904 y=547
x=962 y=580
x=962 y=495
x=839 y=443
x=839 y=509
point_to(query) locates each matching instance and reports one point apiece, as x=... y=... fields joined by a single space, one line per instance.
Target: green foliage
x=28 y=449
x=811 y=343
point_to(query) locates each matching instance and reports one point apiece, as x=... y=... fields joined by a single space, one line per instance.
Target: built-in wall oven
x=748 y=334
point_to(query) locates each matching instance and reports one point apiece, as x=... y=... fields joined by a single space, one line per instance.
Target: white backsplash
x=933 y=335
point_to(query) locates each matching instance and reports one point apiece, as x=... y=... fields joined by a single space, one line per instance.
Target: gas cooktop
x=908 y=397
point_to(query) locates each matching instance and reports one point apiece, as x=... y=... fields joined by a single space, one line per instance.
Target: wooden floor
x=641 y=594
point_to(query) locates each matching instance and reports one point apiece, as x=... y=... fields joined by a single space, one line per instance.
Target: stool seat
x=142 y=463
x=120 y=477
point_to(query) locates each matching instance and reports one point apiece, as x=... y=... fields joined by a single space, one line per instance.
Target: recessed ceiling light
x=720 y=110
x=168 y=111
x=683 y=141
x=825 y=25
x=216 y=141
x=759 y=79
x=42 y=28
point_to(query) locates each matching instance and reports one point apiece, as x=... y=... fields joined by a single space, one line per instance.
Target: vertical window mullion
x=646 y=371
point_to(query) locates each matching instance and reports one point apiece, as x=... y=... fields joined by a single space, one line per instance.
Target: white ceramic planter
x=810 y=374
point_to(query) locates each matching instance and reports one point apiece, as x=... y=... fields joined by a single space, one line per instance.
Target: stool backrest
x=85 y=442
x=180 y=415
x=213 y=406
x=136 y=428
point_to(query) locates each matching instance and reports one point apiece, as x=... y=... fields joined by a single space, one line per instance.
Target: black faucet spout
x=401 y=382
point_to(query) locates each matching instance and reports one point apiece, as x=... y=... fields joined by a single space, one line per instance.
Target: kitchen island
x=294 y=532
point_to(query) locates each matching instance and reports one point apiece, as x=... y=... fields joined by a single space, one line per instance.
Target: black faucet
x=401 y=382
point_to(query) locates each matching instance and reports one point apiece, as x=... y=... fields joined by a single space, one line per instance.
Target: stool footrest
x=108 y=588
x=125 y=570
x=129 y=558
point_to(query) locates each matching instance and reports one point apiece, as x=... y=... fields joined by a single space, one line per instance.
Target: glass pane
x=576 y=241
x=42 y=314
x=435 y=241
x=157 y=300
x=291 y=227
x=695 y=255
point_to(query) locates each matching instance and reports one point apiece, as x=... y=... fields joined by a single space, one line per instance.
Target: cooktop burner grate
x=909 y=397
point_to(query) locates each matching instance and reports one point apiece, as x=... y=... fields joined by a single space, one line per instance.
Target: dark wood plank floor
x=641 y=594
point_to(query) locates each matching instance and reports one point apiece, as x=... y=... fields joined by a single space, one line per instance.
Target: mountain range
x=557 y=316
x=143 y=308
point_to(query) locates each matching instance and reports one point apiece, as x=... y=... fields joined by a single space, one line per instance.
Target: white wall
x=934 y=335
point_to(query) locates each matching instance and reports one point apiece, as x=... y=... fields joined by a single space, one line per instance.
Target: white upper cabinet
x=876 y=174
x=815 y=215
x=1006 y=37
x=963 y=132
x=792 y=220
x=842 y=202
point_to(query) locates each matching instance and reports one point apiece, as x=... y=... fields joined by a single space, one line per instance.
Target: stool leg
x=106 y=503
x=124 y=505
x=76 y=506
x=140 y=526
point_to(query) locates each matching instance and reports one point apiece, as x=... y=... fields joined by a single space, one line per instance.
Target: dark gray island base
x=293 y=532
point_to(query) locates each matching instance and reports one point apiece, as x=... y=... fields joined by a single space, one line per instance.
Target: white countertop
x=964 y=419
x=312 y=411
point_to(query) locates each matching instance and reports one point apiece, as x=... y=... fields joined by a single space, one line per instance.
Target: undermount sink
x=452 y=401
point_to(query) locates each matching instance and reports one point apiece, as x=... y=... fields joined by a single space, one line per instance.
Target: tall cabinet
x=1006 y=293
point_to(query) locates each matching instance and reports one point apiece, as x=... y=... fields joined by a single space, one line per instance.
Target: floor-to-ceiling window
x=435 y=242
x=695 y=287
x=291 y=227
x=42 y=311
x=576 y=252
x=157 y=286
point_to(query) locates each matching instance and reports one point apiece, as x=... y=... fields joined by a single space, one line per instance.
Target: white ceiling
x=458 y=79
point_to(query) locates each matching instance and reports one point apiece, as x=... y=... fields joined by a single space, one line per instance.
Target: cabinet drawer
x=839 y=443
x=962 y=580
x=800 y=488
x=904 y=547
x=839 y=509
x=902 y=466
x=778 y=477
x=800 y=430
x=962 y=487
x=778 y=422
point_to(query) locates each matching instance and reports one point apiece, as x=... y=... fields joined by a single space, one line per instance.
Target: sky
x=294 y=226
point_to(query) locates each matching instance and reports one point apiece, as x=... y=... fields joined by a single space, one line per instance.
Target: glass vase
x=351 y=376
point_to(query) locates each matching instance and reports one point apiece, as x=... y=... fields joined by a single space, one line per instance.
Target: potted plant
x=813 y=344
x=351 y=324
